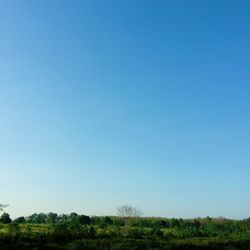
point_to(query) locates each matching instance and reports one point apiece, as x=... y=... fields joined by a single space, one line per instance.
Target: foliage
x=73 y=231
x=5 y=218
x=20 y=220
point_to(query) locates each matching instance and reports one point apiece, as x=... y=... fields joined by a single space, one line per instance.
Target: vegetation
x=2 y=206
x=126 y=231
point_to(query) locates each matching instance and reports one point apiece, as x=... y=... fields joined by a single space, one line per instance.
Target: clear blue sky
x=146 y=103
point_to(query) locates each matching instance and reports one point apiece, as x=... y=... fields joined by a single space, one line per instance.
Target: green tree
x=37 y=218
x=5 y=218
x=161 y=224
x=107 y=220
x=52 y=218
x=20 y=220
x=83 y=219
x=174 y=222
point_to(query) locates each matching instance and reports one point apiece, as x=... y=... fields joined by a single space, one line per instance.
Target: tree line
x=127 y=230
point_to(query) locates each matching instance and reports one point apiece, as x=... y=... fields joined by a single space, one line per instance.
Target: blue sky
x=104 y=103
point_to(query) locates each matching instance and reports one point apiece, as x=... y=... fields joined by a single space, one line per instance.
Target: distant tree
x=174 y=222
x=20 y=220
x=196 y=223
x=127 y=213
x=95 y=220
x=41 y=218
x=84 y=219
x=63 y=218
x=105 y=221
x=2 y=206
x=73 y=217
x=247 y=220
x=208 y=218
x=52 y=218
x=31 y=218
x=5 y=218
x=162 y=224
x=37 y=218
x=108 y=220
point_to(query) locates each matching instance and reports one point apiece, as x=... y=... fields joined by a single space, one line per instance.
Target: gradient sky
x=146 y=103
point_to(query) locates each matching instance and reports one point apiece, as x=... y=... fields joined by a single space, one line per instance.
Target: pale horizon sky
x=105 y=103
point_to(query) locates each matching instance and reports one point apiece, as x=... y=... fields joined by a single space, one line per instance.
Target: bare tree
x=2 y=206
x=128 y=213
